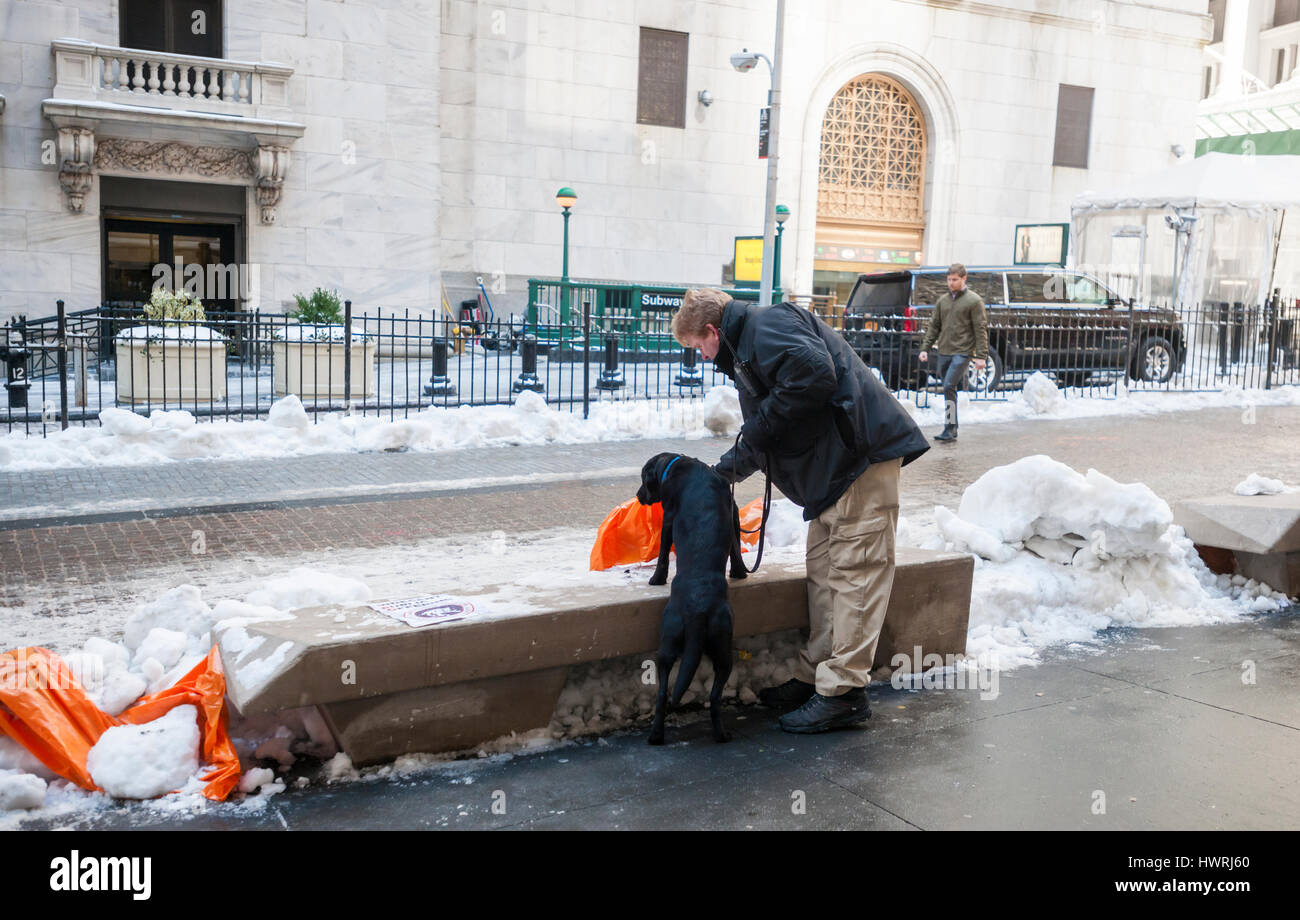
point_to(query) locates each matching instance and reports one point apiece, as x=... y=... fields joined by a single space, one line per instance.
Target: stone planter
x=309 y=363
x=169 y=364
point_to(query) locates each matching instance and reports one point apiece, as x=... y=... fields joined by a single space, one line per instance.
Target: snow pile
x=175 y=332
x=722 y=414
x=1096 y=402
x=162 y=641
x=15 y=757
x=288 y=413
x=126 y=438
x=1062 y=555
x=144 y=761
x=786 y=527
x=1041 y=394
x=306 y=587
x=122 y=423
x=1255 y=484
x=318 y=332
x=20 y=790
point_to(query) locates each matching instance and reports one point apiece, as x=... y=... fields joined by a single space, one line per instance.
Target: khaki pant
x=850 y=575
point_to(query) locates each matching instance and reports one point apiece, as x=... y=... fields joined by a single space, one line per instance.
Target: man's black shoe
x=949 y=433
x=793 y=692
x=824 y=713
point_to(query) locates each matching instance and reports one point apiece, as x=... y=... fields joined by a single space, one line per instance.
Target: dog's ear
x=648 y=494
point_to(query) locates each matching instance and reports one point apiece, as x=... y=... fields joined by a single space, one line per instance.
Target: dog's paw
x=657 y=579
x=738 y=574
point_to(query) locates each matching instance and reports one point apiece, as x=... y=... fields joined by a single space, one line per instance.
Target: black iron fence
x=66 y=368
x=1094 y=350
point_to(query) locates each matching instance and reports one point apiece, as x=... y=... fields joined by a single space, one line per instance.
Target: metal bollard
x=1223 y=337
x=15 y=354
x=691 y=375
x=439 y=384
x=527 y=379
x=611 y=378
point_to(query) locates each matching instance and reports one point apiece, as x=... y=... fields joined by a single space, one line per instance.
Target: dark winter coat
x=810 y=405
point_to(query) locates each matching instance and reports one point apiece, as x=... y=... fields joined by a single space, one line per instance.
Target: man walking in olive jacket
x=960 y=329
x=832 y=438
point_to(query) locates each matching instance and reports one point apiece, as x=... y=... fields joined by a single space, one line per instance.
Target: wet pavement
x=1145 y=730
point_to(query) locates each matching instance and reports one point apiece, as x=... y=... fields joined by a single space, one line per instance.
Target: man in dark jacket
x=832 y=438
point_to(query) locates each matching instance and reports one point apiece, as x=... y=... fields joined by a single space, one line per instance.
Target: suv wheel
x=987 y=380
x=1155 y=360
x=1073 y=378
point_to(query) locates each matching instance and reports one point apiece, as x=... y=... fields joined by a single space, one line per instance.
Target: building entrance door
x=200 y=258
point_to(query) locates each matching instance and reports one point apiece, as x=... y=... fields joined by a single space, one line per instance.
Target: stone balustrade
x=129 y=76
x=131 y=112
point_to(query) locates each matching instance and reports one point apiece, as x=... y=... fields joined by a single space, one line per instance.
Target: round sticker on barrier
x=428 y=609
x=445 y=610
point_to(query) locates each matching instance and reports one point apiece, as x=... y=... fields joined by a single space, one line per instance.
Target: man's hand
x=923 y=356
x=979 y=364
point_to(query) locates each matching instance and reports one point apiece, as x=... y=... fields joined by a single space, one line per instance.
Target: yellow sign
x=749 y=259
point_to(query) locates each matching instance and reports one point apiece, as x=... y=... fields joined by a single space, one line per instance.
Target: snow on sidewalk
x=1060 y=555
x=125 y=438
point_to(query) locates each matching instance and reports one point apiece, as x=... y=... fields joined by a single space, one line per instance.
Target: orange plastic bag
x=630 y=533
x=44 y=709
x=751 y=516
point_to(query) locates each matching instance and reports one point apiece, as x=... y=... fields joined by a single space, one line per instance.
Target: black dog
x=702 y=521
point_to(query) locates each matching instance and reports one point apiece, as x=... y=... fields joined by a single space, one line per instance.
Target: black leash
x=762 y=524
x=747 y=375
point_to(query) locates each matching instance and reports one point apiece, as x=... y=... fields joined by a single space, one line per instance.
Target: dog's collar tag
x=669 y=467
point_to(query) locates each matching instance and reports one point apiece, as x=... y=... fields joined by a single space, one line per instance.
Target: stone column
x=1242 y=20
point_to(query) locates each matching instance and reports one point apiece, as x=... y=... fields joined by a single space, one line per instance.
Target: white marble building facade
x=332 y=158
x=410 y=144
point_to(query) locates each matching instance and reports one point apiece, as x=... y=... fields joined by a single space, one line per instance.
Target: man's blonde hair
x=701 y=307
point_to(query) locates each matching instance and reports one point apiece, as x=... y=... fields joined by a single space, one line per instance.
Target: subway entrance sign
x=639 y=314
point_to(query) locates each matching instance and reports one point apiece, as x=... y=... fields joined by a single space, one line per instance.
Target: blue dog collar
x=669 y=467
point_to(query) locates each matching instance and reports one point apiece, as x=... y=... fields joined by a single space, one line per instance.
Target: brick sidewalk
x=244 y=509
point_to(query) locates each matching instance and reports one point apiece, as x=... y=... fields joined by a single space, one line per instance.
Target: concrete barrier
x=1261 y=531
x=386 y=689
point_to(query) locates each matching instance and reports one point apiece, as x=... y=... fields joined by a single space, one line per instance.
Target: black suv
x=1055 y=320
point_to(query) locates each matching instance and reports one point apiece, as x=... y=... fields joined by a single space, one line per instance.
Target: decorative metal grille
x=873 y=154
x=661 y=83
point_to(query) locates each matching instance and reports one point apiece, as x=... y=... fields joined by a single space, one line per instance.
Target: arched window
x=873 y=154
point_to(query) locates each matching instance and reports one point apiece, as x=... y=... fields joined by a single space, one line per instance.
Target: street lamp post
x=744 y=62
x=566 y=198
x=782 y=215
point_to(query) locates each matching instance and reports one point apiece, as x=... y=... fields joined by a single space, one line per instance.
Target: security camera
x=1178 y=150
x=706 y=98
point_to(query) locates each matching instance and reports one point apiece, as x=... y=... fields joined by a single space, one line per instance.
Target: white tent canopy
x=1212 y=229
x=1215 y=180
